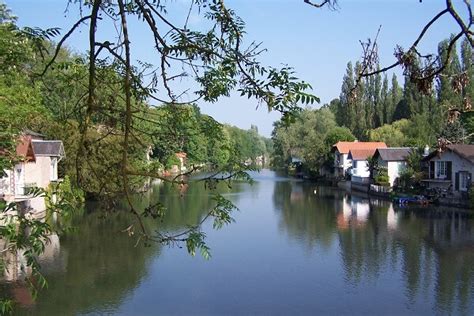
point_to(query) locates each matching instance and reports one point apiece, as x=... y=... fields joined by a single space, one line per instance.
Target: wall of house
x=344 y=163
x=394 y=169
x=11 y=185
x=361 y=169
x=39 y=172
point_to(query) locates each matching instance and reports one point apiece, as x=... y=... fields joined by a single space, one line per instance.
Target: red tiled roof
x=345 y=147
x=24 y=148
x=361 y=154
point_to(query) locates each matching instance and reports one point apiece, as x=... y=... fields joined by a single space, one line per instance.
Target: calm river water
x=294 y=249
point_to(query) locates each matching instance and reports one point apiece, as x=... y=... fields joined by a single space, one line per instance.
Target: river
x=295 y=249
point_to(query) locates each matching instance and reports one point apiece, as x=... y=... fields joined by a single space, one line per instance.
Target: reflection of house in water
x=430 y=248
x=392 y=218
x=16 y=269
x=355 y=212
x=296 y=193
x=15 y=262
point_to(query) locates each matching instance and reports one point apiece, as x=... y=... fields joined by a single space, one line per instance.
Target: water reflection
x=296 y=248
x=431 y=248
x=99 y=266
x=297 y=204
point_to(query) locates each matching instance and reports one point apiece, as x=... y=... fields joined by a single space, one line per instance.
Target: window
x=441 y=169
x=53 y=170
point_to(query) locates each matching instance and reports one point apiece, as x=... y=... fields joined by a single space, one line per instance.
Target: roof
x=463 y=150
x=51 y=148
x=25 y=149
x=361 y=154
x=393 y=153
x=345 y=147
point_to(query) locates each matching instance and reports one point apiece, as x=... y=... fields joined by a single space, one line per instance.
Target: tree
x=453 y=133
x=422 y=74
x=447 y=96
x=392 y=134
x=346 y=112
x=104 y=99
x=386 y=107
x=467 y=74
x=395 y=97
x=358 y=102
x=337 y=134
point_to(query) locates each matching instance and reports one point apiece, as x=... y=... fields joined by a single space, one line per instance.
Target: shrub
x=381 y=178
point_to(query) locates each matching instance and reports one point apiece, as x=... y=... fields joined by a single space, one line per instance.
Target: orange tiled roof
x=24 y=148
x=361 y=154
x=345 y=147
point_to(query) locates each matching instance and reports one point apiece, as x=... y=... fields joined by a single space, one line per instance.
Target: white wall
x=344 y=162
x=361 y=169
x=394 y=170
x=39 y=172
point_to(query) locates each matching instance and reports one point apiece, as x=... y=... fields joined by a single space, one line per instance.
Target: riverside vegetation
x=110 y=110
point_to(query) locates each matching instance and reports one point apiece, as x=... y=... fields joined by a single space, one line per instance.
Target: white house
x=394 y=160
x=451 y=169
x=38 y=167
x=341 y=150
x=360 y=174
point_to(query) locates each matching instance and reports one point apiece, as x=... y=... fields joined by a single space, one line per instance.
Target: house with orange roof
x=37 y=166
x=342 y=161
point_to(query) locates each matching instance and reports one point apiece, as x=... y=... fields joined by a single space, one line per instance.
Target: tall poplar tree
x=385 y=101
x=447 y=96
x=346 y=114
x=467 y=60
x=395 y=97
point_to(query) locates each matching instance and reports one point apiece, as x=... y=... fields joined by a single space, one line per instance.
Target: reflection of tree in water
x=101 y=264
x=446 y=238
x=101 y=267
x=434 y=249
x=184 y=206
x=363 y=244
x=306 y=214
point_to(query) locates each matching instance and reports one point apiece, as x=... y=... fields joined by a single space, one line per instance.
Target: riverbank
x=402 y=198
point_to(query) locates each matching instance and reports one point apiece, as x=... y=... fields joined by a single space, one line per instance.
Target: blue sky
x=318 y=43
